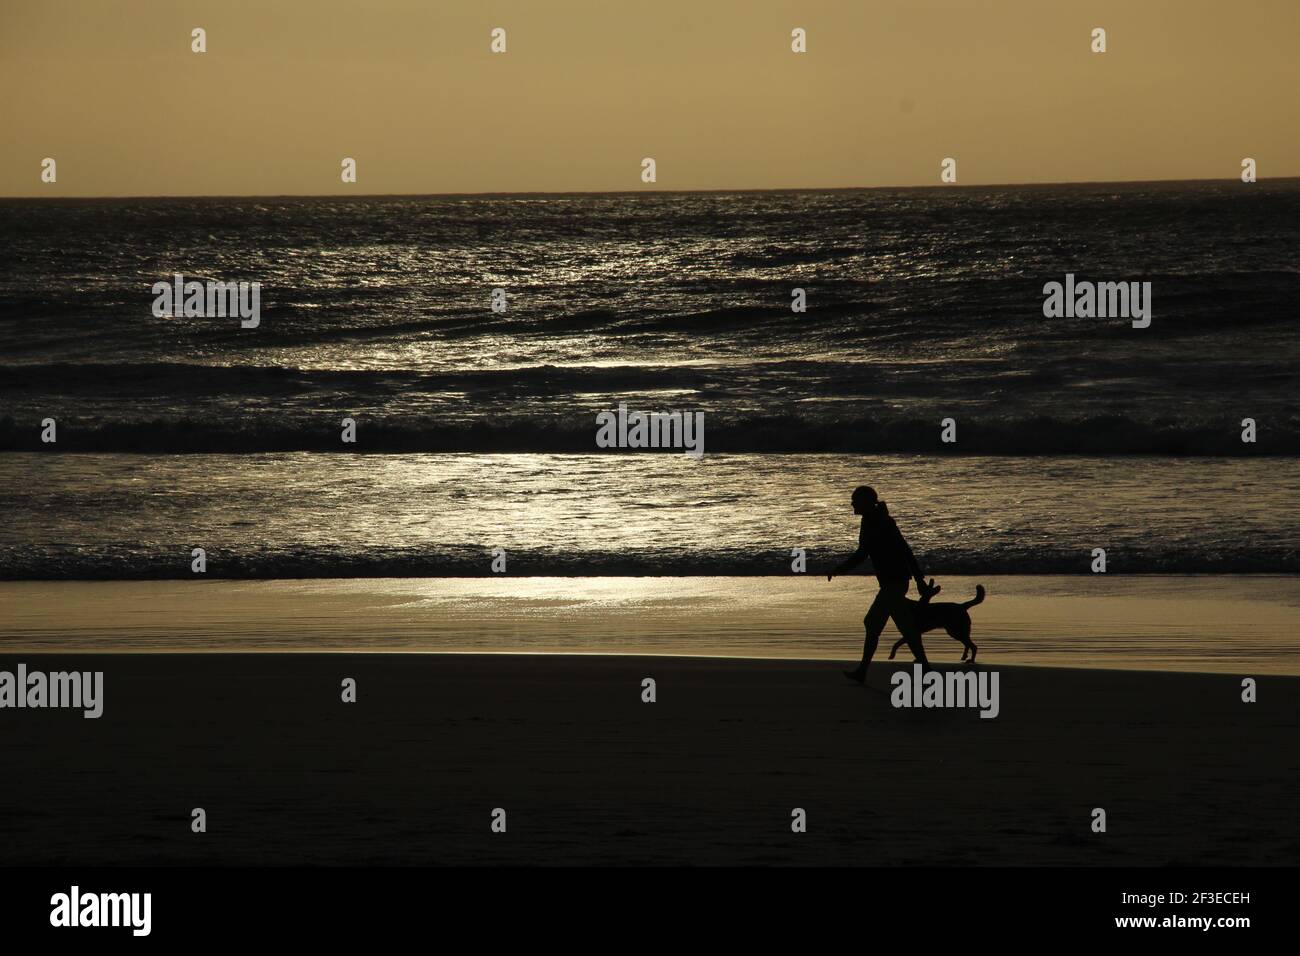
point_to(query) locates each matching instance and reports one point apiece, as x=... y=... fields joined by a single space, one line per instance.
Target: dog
x=949 y=615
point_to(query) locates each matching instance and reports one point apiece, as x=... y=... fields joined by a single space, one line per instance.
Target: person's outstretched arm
x=856 y=558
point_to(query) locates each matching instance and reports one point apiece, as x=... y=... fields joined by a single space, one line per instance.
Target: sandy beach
x=588 y=773
x=1232 y=624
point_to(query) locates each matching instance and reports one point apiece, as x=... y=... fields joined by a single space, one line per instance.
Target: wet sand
x=1224 y=624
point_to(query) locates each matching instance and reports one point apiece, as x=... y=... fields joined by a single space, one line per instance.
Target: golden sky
x=709 y=88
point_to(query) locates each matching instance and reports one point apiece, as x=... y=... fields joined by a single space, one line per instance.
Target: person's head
x=864 y=499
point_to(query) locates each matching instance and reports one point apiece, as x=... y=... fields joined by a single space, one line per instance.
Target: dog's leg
x=961 y=632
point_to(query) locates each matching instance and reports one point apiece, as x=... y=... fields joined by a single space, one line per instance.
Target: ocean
x=476 y=429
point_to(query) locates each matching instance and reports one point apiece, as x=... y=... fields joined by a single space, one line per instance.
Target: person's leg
x=874 y=624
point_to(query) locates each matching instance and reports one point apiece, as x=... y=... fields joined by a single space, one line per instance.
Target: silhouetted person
x=893 y=563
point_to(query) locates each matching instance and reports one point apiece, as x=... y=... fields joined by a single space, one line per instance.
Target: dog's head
x=929 y=590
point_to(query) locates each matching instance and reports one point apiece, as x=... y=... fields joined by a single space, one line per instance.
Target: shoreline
x=880 y=662
x=1165 y=623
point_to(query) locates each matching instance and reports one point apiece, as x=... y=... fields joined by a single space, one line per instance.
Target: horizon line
x=638 y=192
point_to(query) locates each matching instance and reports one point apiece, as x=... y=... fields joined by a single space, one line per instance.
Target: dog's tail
x=979 y=596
